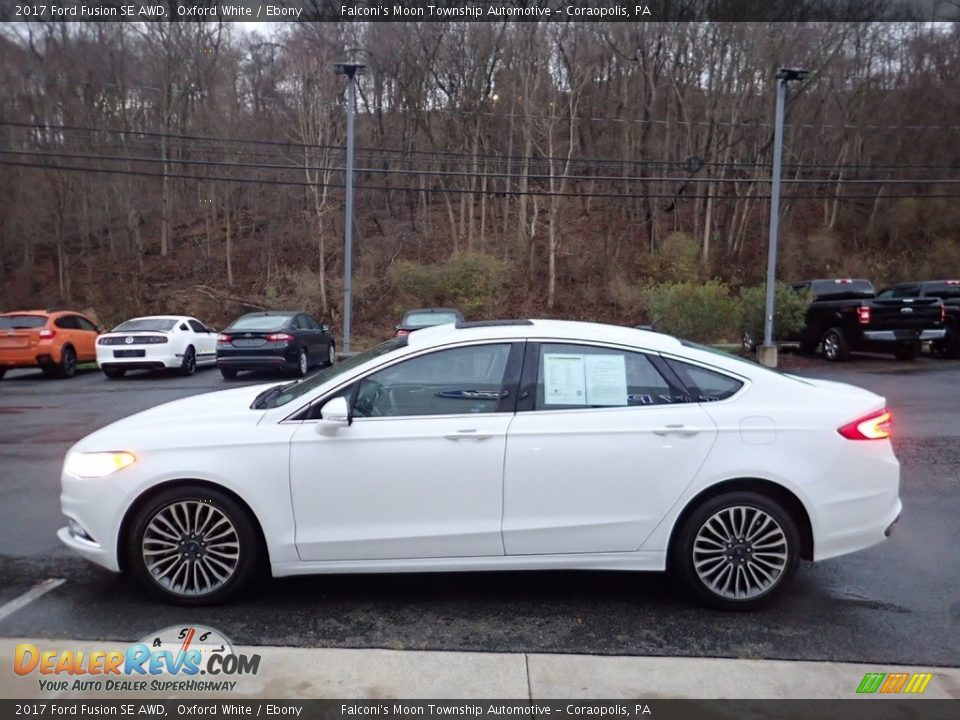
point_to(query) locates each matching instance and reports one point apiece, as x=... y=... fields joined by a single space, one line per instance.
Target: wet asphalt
x=898 y=602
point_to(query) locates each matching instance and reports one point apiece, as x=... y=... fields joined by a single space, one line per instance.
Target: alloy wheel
x=303 y=362
x=191 y=548
x=740 y=552
x=831 y=346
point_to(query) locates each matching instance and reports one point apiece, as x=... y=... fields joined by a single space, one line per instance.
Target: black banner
x=481 y=10
x=875 y=708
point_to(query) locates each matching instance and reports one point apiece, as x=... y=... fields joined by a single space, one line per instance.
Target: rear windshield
x=22 y=322
x=260 y=322
x=427 y=319
x=146 y=325
x=842 y=289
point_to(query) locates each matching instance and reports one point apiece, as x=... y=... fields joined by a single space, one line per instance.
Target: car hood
x=197 y=417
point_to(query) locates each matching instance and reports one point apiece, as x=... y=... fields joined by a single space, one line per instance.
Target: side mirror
x=335 y=414
x=211 y=329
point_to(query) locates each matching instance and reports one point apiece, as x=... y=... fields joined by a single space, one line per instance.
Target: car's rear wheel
x=188 y=366
x=193 y=545
x=303 y=364
x=114 y=373
x=906 y=351
x=835 y=347
x=68 y=363
x=737 y=550
x=227 y=373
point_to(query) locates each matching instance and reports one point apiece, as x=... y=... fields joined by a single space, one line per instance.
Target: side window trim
x=693 y=392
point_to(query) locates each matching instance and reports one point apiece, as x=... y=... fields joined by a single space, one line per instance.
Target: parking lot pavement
x=895 y=603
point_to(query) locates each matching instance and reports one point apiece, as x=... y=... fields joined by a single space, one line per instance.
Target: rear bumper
x=257 y=362
x=154 y=358
x=903 y=335
x=29 y=358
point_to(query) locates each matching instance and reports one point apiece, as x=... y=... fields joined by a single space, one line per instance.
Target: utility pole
x=351 y=70
x=767 y=354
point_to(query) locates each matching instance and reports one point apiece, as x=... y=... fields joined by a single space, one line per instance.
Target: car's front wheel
x=737 y=550
x=193 y=545
x=331 y=354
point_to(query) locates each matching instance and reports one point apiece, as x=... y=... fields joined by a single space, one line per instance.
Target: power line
x=494 y=192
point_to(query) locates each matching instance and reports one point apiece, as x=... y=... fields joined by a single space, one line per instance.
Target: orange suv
x=52 y=340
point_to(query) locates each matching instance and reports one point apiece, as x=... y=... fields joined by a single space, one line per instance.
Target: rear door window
x=706 y=385
x=67 y=322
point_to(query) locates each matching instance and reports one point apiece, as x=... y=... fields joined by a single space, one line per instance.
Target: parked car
x=519 y=445
x=275 y=340
x=949 y=293
x=157 y=342
x=55 y=341
x=846 y=315
x=426 y=317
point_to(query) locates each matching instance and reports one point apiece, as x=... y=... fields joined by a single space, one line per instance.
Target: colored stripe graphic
x=894 y=682
x=871 y=682
x=918 y=683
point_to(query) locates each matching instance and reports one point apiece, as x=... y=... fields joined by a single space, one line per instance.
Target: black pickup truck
x=949 y=292
x=846 y=315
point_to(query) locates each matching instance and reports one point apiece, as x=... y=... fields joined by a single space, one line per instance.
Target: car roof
x=275 y=312
x=45 y=313
x=160 y=317
x=433 y=310
x=543 y=330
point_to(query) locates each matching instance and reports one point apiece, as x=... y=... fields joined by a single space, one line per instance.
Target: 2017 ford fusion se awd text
x=515 y=445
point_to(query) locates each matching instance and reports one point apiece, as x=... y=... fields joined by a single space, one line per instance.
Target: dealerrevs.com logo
x=176 y=659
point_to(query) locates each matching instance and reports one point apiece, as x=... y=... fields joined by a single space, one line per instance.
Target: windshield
x=302 y=387
x=428 y=319
x=14 y=322
x=146 y=325
x=260 y=322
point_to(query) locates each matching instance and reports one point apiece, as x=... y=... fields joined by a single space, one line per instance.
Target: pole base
x=767 y=355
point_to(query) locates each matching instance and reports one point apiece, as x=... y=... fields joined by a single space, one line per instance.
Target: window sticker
x=563 y=379
x=606 y=380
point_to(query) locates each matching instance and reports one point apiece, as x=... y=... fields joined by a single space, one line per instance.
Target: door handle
x=468 y=435
x=676 y=429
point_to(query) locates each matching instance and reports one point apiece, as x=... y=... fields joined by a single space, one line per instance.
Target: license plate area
x=249 y=342
x=129 y=353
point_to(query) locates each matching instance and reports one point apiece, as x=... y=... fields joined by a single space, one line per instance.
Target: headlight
x=94 y=465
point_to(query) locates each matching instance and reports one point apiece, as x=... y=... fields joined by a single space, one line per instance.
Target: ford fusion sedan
x=155 y=343
x=519 y=445
x=292 y=342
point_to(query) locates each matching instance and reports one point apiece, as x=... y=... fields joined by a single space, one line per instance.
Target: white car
x=157 y=342
x=514 y=445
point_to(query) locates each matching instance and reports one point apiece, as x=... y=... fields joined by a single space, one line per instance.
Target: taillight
x=875 y=426
x=221 y=338
x=280 y=337
x=401 y=333
x=863 y=315
x=46 y=334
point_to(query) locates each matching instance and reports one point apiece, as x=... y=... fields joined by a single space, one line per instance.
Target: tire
x=3 y=372
x=303 y=364
x=228 y=373
x=948 y=348
x=114 y=373
x=188 y=365
x=906 y=351
x=755 y=582
x=331 y=355
x=219 y=574
x=68 y=363
x=835 y=348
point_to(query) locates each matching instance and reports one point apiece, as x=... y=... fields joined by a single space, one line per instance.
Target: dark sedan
x=288 y=341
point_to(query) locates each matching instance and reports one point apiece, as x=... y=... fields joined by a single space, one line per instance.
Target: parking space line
x=29 y=596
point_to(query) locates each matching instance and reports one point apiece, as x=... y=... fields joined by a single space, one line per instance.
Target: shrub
x=679 y=258
x=789 y=314
x=704 y=312
x=473 y=282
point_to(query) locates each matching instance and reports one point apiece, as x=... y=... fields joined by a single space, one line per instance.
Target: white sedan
x=515 y=445
x=155 y=343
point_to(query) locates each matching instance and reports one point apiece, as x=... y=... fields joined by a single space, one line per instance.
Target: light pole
x=351 y=70
x=768 y=352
